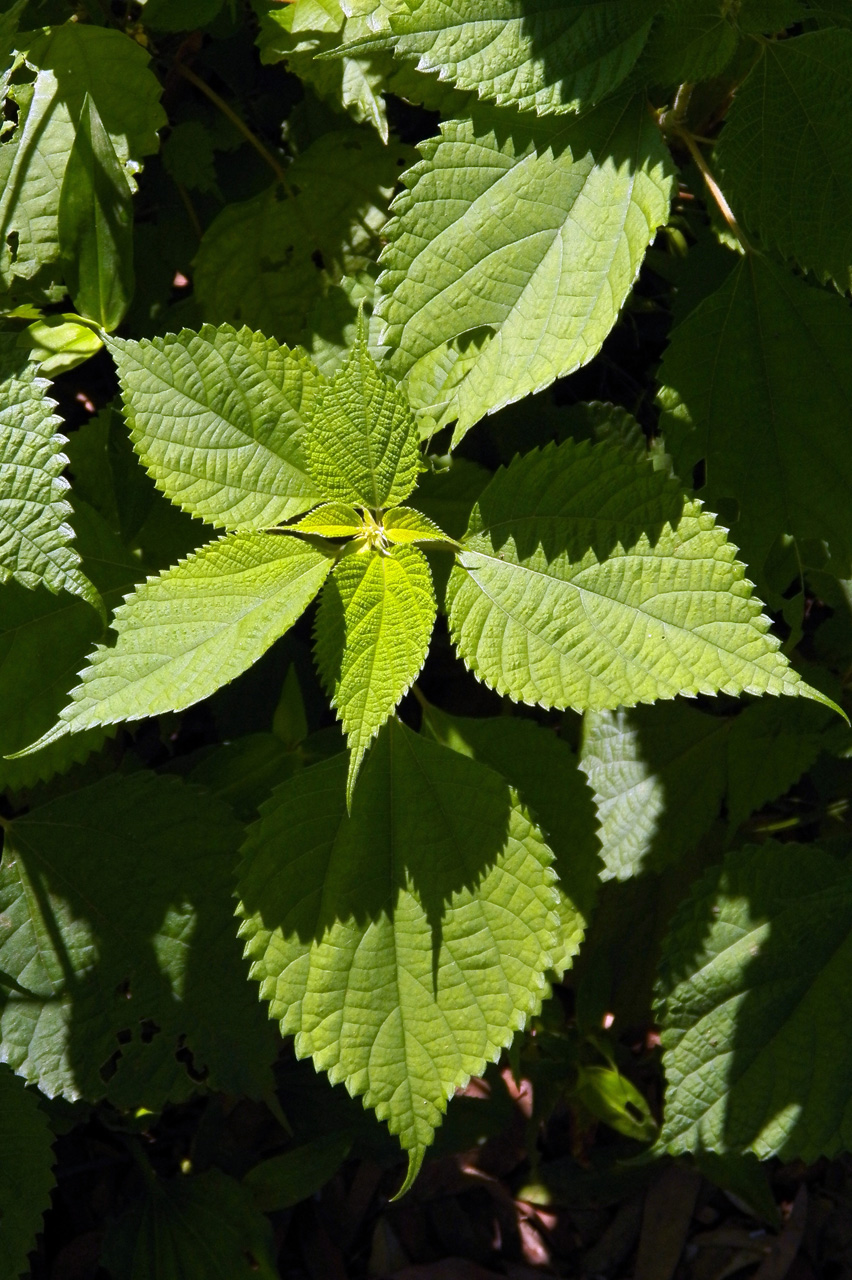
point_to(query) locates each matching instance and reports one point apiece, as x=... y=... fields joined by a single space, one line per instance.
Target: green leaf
x=363 y=442
x=616 y=590
x=197 y=626
x=95 y=219
x=785 y=154
x=191 y=1228
x=26 y=1172
x=286 y=1179
x=405 y=524
x=692 y=40
x=373 y=630
x=71 y=61
x=545 y=773
x=611 y=1097
x=116 y=909
x=339 y=912
x=513 y=250
x=755 y=1007
x=263 y=261
x=58 y=343
x=218 y=418
x=759 y=358
x=331 y=520
x=542 y=55
x=35 y=536
x=179 y=15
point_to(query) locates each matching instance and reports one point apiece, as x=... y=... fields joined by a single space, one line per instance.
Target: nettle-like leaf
x=757 y=381
x=70 y=61
x=35 y=537
x=331 y=520
x=286 y=241
x=363 y=442
x=545 y=773
x=692 y=40
x=218 y=418
x=755 y=1007
x=785 y=154
x=403 y=525
x=373 y=630
x=184 y=634
x=115 y=913
x=402 y=945
x=541 y=55
x=513 y=250
x=26 y=1172
x=588 y=580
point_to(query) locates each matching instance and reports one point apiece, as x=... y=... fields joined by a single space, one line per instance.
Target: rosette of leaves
x=585 y=579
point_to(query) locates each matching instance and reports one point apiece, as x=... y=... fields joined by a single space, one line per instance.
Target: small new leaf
x=372 y=635
x=404 y=525
x=331 y=520
x=363 y=442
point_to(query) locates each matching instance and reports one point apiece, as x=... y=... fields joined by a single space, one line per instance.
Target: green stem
x=713 y=186
x=235 y=120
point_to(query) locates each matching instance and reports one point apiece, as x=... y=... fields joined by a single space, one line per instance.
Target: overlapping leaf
x=115 y=908
x=362 y=445
x=286 y=242
x=35 y=537
x=513 y=250
x=757 y=382
x=372 y=635
x=403 y=944
x=26 y=1173
x=218 y=417
x=756 y=1010
x=691 y=41
x=70 y=61
x=587 y=580
x=184 y=634
x=785 y=154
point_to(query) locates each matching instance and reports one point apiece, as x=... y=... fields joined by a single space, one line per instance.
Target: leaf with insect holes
x=373 y=630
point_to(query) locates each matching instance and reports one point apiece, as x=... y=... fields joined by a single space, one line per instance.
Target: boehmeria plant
x=353 y=393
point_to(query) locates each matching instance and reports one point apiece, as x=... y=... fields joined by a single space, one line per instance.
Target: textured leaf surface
x=332 y=520
x=71 y=60
x=542 y=55
x=116 y=908
x=404 y=944
x=35 y=536
x=218 y=418
x=692 y=40
x=756 y=1008
x=587 y=580
x=758 y=381
x=513 y=250
x=406 y=524
x=26 y=1172
x=372 y=635
x=545 y=773
x=344 y=182
x=785 y=154
x=183 y=635
x=191 y=1228
x=363 y=442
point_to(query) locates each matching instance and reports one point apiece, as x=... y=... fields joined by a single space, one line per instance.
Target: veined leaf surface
x=331 y=520
x=363 y=442
x=404 y=944
x=406 y=524
x=752 y=993
x=218 y=418
x=513 y=250
x=184 y=634
x=26 y=1172
x=373 y=630
x=588 y=580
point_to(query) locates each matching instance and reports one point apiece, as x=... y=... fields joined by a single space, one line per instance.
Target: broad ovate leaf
x=218 y=418
x=757 y=382
x=182 y=635
x=35 y=537
x=785 y=154
x=70 y=61
x=373 y=630
x=405 y=943
x=588 y=580
x=363 y=442
x=755 y=1007
x=513 y=249
x=115 y=909
x=541 y=55
x=26 y=1172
